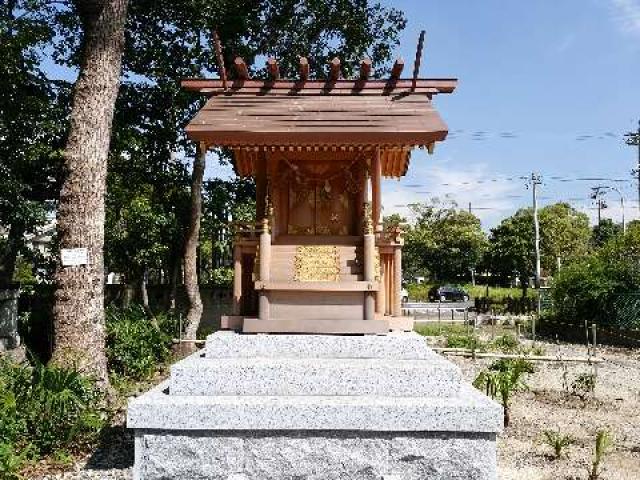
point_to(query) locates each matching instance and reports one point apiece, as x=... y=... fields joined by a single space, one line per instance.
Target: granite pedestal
x=314 y=407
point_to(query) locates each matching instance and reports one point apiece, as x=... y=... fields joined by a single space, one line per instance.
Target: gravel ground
x=546 y=406
x=521 y=453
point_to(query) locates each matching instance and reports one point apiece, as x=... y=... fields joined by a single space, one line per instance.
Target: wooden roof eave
x=427 y=86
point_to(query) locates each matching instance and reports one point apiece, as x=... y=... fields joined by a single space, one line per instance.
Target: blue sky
x=561 y=77
x=545 y=86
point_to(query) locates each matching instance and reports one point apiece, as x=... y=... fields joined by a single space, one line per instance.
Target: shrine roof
x=282 y=113
x=252 y=115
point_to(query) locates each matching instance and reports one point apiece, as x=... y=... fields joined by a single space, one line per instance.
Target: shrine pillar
x=369 y=247
x=263 y=267
x=397 y=282
x=237 y=280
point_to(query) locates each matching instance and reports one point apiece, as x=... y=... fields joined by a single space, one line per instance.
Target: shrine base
x=314 y=407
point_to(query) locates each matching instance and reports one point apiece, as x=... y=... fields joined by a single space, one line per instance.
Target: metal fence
x=626 y=311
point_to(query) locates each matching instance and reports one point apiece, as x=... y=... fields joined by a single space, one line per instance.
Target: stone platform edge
x=469 y=411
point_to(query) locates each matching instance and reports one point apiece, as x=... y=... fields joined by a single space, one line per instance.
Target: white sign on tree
x=73 y=257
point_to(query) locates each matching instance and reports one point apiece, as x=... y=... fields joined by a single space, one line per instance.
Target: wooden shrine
x=318 y=259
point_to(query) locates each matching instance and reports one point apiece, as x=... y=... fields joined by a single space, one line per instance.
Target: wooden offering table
x=317 y=260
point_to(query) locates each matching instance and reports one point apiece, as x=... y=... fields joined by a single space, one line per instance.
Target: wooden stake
x=222 y=72
x=416 y=64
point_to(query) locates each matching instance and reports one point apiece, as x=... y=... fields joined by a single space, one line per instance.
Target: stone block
x=314 y=376
x=399 y=346
x=315 y=456
x=468 y=411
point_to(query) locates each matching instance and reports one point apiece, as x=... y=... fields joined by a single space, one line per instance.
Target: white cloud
x=626 y=14
x=491 y=197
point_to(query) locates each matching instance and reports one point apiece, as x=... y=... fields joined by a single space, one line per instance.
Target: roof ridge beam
x=334 y=69
x=304 y=69
x=398 y=66
x=241 y=68
x=365 y=68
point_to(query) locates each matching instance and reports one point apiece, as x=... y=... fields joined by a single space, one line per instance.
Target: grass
x=434 y=329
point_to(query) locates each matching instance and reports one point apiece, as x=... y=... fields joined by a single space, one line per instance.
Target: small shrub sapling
x=604 y=442
x=503 y=379
x=558 y=442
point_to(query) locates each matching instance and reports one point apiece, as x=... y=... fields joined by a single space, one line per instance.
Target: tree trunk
x=79 y=299
x=191 y=247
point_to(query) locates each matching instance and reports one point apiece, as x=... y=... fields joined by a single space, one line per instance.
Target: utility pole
x=535 y=181
x=633 y=139
x=469 y=207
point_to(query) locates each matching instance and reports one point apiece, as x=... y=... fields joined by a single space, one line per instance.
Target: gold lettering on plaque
x=317 y=263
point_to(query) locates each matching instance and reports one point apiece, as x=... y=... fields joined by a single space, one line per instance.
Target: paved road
x=434 y=305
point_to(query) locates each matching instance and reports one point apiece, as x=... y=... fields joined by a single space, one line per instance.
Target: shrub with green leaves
x=604 y=443
x=44 y=409
x=506 y=343
x=472 y=342
x=558 y=442
x=584 y=385
x=11 y=461
x=503 y=379
x=135 y=343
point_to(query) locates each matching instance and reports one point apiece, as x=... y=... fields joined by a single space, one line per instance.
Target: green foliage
x=588 y=289
x=135 y=345
x=604 y=443
x=564 y=234
x=44 y=409
x=584 y=385
x=11 y=461
x=605 y=231
x=506 y=343
x=503 y=379
x=33 y=113
x=437 y=329
x=472 y=342
x=512 y=364
x=444 y=243
x=558 y=442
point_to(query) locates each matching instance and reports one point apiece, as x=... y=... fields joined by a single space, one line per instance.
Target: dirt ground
x=522 y=454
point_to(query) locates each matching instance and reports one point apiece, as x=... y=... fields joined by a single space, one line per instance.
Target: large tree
x=564 y=237
x=445 y=242
x=79 y=300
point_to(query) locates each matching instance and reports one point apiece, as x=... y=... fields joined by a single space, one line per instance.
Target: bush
x=506 y=343
x=584 y=385
x=588 y=289
x=11 y=461
x=472 y=342
x=44 y=409
x=135 y=345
